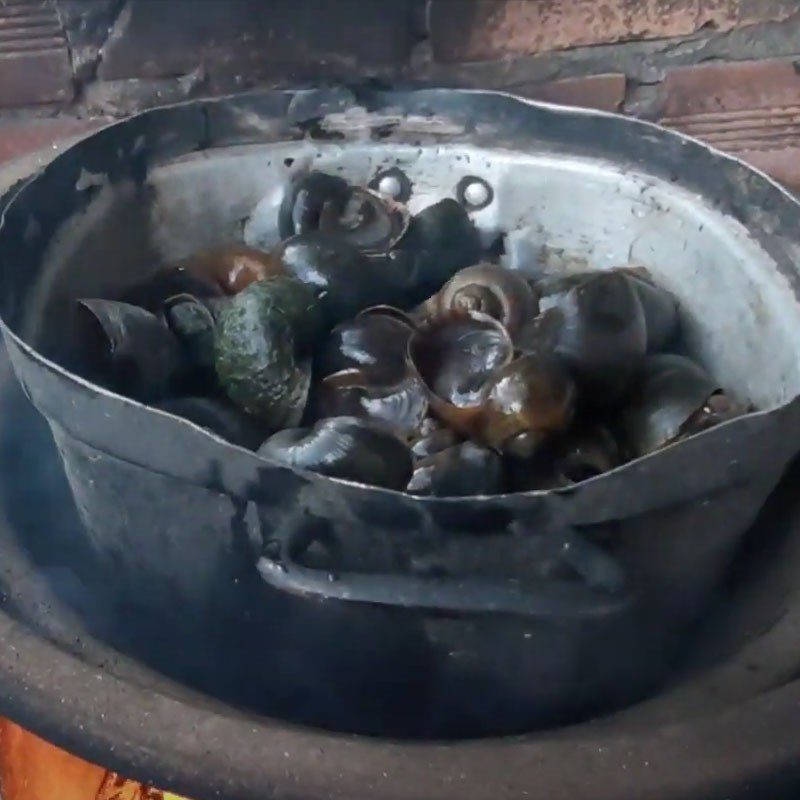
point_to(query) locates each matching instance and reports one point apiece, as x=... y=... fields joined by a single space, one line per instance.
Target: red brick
x=34 y=60
x=603 y=92
x=781 y=163
x=21 y=137
x=750 y=109
x=707 y=88
x=485 y=29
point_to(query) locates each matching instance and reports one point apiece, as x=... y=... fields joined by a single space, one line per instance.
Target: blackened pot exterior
x=179 y=510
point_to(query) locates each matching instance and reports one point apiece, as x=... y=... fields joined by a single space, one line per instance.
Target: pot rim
x=168 y=740
x=720 y=431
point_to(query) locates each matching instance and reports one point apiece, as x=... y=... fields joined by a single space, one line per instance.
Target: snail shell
x=489 y=289
x=256 y=354
x=401 y=406
x=453 y=356
x=672 y=398
x=130 y=348
x=231 y=267
x=463 y=470
x=344 y=447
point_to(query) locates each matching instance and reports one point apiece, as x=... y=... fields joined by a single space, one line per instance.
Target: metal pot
x=521 y=609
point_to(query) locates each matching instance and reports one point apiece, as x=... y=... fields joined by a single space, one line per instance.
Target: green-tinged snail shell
x=440 y=241
x=344 y=447
x=674 y=396
x=402 y=406
x=256 y=354
x=374 y=342
x=345 y=280
x=453 y=356
x=598 y=328
x=231 y=267
x=524 y=404
x=131 y=349
x=489 y=289
x=219 y=417
x=460 y=471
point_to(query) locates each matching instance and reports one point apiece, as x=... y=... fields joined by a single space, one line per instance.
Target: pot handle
x=598 y=589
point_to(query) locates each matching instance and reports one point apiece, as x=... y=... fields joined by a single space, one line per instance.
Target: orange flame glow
x=32 y=769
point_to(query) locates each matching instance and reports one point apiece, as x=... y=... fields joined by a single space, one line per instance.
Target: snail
x=453 y=355
x=432 y=437
x=459 y=471
x=487 y=288
x=307 y=198
x=464 y=360
x=317 y=202
x=440 y=241
x=659 y=306
x=131 y=348
x=525 y=403
x=375 y=341
x=232 y=267
x=345 y=280
x=192 y=320
x=674 y=397
x=401 y=406
x=260 y=342
x=598 y=328
x=344 y=447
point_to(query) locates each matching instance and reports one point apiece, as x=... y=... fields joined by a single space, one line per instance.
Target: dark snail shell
x=489 y=289
x=257 y=360
x=231 y=267
x=673 y=394
x=219 y=417
x=580 y=454
x=345 y=280
x=151 y=293
x=401 y=406
x=344 y=447
x=660 y=309
x=584 y=454
x=373 y=342
x=130 y=348
x=429 y=442
x=598 y=328
x=453 y=356
x=460 y=471
x=659 y=306
x=306 y=200
x=192 y=321
x=328 y=204
x=719 y=408
x=440 y=241
x=525 y=403
x=369 y=221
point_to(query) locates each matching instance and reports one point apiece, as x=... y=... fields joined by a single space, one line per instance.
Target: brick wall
x=724 y=70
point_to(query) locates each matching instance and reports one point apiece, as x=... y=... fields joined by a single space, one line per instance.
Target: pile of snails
x=387 y=349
